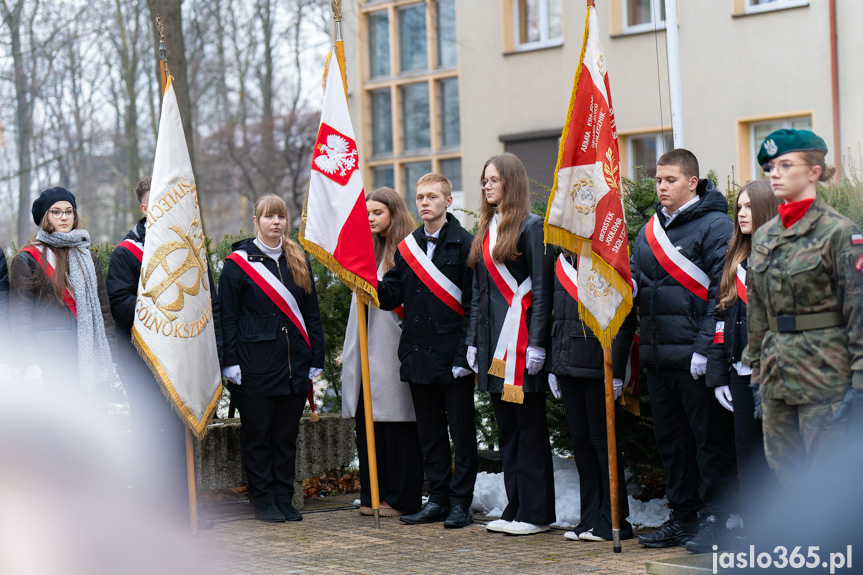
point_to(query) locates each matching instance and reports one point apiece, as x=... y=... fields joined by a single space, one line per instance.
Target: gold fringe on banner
x=633 y=405
x=352 y=280
x=314 y=417
x=199 y=428
x=513 y=393
x=498 y=368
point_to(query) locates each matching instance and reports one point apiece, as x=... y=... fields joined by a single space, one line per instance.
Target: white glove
x=553 y=385
x=458 y=372
x=233 y=374
x=535 y=359
x=33 y=375
x=315 y=372
x=471 y=358
x=723 y=395
x=617 y=387
x=698 y=365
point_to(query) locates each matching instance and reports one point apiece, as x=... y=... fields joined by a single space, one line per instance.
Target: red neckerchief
x=790 y=212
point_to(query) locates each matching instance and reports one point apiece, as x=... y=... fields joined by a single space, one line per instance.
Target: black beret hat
x=47 y=199
x=784 y=141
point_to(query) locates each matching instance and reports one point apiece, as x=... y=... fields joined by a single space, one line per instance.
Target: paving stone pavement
x=334 y=538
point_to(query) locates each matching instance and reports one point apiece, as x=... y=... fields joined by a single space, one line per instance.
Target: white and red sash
x=275 y=289
x=430 y=275
x=49 y=269
x=741 y=282
x=567 y=276
x=676 y=264
x=137 y=248
x=509 y=359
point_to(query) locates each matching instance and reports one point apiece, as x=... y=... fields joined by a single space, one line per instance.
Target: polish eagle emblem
x=336 y=156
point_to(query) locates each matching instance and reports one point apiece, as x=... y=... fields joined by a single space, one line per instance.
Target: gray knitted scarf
x=96 y=368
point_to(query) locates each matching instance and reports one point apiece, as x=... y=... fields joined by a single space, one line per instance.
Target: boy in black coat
x=157 y=431
x=432 y=351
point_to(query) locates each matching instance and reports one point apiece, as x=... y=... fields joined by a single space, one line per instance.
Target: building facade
x=444 y=84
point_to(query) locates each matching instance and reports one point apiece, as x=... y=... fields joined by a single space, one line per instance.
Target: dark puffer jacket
x=725 y=353
x=489 y=307
x=674 y=321
x=433 y=335
x=575 y=351
x=273 y=356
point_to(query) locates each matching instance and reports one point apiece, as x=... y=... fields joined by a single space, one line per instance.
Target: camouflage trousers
x=796 y=437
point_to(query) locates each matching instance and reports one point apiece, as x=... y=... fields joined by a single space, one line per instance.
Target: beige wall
x=732 y=68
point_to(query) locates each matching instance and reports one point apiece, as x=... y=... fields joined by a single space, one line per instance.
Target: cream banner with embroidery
x=174 y=330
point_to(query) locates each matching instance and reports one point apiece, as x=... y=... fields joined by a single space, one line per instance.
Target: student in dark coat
x=509 y=250
x=157 y=432
x=578 y=377
x=270 y=360
x=432 y=351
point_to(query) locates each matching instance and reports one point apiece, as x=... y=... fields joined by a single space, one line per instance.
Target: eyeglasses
x=780 y=167
x=493 y=182
x=60 y=213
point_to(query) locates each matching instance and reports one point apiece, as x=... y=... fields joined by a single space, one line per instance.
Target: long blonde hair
x=763 y=205
x=59 y=282
x=273 y=205
x=401 y=224
x=513 y=209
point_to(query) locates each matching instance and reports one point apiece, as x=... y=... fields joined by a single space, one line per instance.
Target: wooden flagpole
x=164 y=73
x=611 y=433
x=361 y=315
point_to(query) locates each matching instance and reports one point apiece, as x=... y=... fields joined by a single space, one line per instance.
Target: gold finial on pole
x=337 y=10
x=163 y=59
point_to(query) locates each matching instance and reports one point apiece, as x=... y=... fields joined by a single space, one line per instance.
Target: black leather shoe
x=671 y=533
x=269 y=513
x=710 y=532
x=430 y=513
x=289 y=511
x=459 y=516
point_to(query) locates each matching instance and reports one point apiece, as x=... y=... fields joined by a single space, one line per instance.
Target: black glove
x=756 y=397
x=852 y=405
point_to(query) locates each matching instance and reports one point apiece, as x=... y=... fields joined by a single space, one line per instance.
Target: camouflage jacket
x=814 y=266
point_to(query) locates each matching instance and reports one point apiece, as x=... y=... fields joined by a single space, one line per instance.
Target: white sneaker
x=571 y=535
x=497 y=526
x=522 y=528
x=589 y=536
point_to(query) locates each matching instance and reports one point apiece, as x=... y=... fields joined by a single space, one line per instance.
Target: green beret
x=784 y=141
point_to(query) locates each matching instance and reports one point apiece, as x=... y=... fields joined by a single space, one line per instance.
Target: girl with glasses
x=59 y=309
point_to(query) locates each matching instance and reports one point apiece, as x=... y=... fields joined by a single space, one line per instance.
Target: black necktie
x=430 y=239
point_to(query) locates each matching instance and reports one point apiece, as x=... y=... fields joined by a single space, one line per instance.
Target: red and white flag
x=335 y=225
x=585 y=211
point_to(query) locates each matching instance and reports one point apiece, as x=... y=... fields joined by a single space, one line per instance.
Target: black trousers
x=528 y=475
x=438 y=407
x=271 y=425
x=158 y=441
x=692 y=432
x=754 y=474
x=399 y=462
x=584 y=402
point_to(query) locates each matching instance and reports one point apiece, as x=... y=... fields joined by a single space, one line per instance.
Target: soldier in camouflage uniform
x=805 y=309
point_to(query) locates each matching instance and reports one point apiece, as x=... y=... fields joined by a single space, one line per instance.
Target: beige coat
x=391 y=397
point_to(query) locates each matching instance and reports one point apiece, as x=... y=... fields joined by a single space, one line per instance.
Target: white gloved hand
x=458 y=372
x=723 y=395
x=617 y=387
x=315 y=372
x=698 y=365
x=33 y=375
x=471 y=358
x=232 y=374
x=553 y=385
x=535 y=359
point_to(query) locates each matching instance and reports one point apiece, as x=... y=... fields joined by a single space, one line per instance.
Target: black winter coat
x=723 y=355
x=575 y=351
x=675 y=322
x=273 y=356
x=433 y=335
x=124 y=270
x=489 y=307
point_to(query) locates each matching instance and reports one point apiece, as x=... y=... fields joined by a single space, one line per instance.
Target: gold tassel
x=513 y=393
x=314 y=417
x=498 y=368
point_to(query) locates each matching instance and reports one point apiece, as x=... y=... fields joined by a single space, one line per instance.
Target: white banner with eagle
x=174 y=330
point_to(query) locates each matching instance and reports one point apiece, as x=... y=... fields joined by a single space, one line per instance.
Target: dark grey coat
x=489 y=307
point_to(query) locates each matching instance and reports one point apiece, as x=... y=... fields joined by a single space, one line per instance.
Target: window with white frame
x=538 y=23
x=643 y=15
x=753 y=6
x=758 y=131
x=644 y=149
